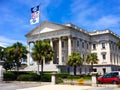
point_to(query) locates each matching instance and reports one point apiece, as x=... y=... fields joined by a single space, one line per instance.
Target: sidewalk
x=48 y=86
x=14 y=85
x=69 y=87
x=58 y=87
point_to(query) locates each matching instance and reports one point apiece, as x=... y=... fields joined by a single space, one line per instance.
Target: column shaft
x=69 y=46
x=28 y=55
x=51 y=43
x=60 y=51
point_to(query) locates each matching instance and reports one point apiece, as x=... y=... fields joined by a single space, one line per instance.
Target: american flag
x=35 y=15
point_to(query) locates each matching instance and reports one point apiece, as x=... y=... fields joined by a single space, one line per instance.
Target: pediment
x=46 y=27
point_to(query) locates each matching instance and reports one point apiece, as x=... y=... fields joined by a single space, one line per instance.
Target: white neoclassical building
x=69 y=38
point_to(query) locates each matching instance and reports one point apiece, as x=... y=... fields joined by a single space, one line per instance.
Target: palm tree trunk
x=92 y=66
x=38 y=68
x=68 y=69
x=74 y=70
x=41 y=67
x=17 y=66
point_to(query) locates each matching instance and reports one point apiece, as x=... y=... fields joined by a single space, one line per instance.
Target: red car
x=112 y=77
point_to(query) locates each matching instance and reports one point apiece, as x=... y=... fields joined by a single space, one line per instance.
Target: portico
x=62 y=47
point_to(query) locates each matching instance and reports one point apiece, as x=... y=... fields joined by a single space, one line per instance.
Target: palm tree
x=75 y=60
x=16 y=53
x=92 y=59
x=8 y=65
x=40 y=51
x=118 y=44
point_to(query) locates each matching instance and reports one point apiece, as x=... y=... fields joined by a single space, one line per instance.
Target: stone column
x=51 y=43
x=60 y=51
x=108 y=52
x=28 y=55
x=69 y=46
x=94 y=78
x=35 y=62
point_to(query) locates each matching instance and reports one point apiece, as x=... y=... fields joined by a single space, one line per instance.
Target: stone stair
x=46 y=68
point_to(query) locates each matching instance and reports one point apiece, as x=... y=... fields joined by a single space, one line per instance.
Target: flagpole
x=40 y=62
x=39 y=21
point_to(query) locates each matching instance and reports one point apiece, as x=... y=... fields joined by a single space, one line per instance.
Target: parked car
x=112 y=77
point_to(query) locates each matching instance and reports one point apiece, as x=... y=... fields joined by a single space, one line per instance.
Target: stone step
x=51 y=67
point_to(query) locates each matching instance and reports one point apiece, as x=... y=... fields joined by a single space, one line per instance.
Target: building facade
x=69 y=38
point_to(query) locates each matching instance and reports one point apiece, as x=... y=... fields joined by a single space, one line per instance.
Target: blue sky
x=88 y=14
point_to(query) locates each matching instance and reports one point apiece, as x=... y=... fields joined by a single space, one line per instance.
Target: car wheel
x=114 y=82
x=99 y=82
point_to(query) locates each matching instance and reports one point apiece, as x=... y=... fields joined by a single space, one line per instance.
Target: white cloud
x=3 y=44
x=108 y=21
x=4 y=41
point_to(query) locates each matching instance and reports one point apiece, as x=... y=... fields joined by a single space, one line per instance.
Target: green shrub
x=62 y=75
x=28 y=77
x=34 y=76
x=46 y=77
x=23 y=77
x=9 y=76
x=59 y=80
x=20 y=72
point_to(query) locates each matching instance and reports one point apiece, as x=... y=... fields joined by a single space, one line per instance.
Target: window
x=77 y=43
x=104 y=56
x=72 y=43
x=80 y=70
x=87 y=46
x=103 y=45
x=94 y=46
x=62 y=44
x=83 y=57
x=94 y=70
x=62 y=58
x=117 y=59
x=82 y=44
x=111 y=57
x=113 y=46
x=110 y=45
x=104 y=71
x=114 y=59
